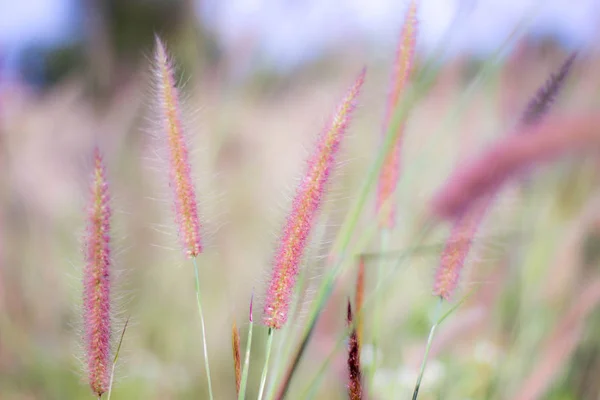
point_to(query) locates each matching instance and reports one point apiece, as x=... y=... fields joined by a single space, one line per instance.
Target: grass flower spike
x=390 y=172
x=180 y=179
x=355 y=391
x=544 y=98
x=457 y=249
x=96 y=296
x=305 y=206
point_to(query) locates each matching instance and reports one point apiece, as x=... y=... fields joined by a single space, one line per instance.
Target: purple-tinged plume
x=96 y=279
x=513 y=155
x=465 y=226
x=355 y=390
x=305 y=206
x=544 y=98
x=390 y=171
x=180 y=177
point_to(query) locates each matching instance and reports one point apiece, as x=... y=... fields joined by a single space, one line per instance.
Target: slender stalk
x=263 y=379
x=384 y=244
x=427 y=348
x=112 y=372
x=206 y=366
x=242 y=393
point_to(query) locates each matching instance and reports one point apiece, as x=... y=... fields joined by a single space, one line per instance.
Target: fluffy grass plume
x=457 y=249
x=544 y=98
x=512 y=155
x=180 y=177
x=96 y=279
x=305 y=207
x=355 y=391
x=390 y=172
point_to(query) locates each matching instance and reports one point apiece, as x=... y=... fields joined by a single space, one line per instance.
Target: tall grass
x=386 y=346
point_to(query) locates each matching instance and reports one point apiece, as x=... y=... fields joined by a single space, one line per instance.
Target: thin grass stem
x=242 y=393
x=112 y=372
x=384 y=244
x=201 y=314
x=263 y=378
x=437 y=320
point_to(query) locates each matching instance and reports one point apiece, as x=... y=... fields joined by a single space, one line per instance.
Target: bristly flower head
x=355 y=391
x=96 y=279
x=305 y=206
x=180 y=177
x=457 y=249
x=551 y=138
x=403 y=65
x=538 y=106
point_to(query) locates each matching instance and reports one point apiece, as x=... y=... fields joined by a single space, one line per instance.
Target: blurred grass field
x=531 y=320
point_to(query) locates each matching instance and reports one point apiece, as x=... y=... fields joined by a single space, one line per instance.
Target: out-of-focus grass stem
x=385 y=235
x=244 y=381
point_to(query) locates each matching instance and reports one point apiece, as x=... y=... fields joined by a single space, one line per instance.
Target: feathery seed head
x=180 y=177
x=96 y=295
x=511 y=155
x=538 y=106
x=457 y=249
x=305 y=207
x=403 y=65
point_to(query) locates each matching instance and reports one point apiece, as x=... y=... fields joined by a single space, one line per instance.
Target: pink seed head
x=96 y=295
x=465 y=227
x=512 y=155
x=457 y=249
x=390 y=172
x=305 y=207
x=180 y=178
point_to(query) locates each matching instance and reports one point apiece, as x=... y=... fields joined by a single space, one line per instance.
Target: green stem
x=206 y=366
x=263 y=379
x=112 y=372
x=384 y=244
x=427 y=348
x=242 y=393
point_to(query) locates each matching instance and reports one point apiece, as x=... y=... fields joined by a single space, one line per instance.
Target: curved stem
x=206 y=366
x=112 y=372
x=381 y=269
x=427 y=348
x=263 y=379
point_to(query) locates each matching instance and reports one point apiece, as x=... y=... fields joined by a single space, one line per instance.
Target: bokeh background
x=260 y=78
